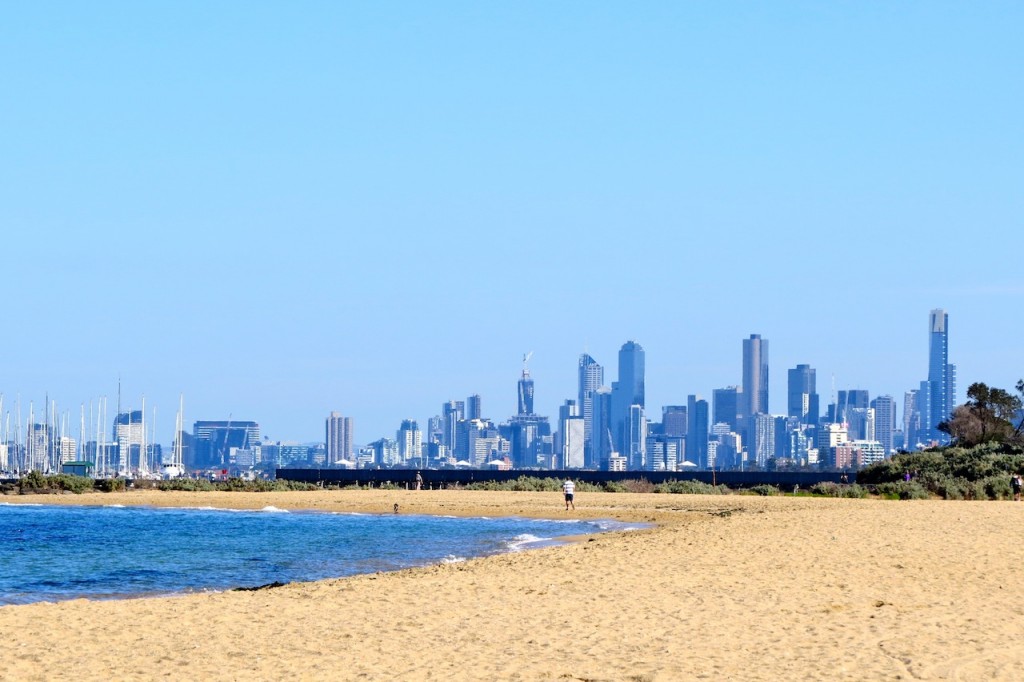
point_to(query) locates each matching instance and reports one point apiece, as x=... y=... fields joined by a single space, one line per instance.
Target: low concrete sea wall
x=436 y=478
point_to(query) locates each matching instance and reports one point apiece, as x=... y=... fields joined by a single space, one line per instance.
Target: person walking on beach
x=569 y=488
x=419 y=481
x=1016 y=483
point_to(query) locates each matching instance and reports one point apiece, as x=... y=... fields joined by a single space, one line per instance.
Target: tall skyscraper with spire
x=526 y=389
x=941 y=375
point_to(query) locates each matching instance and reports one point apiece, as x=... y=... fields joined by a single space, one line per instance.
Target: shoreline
x=723 y=587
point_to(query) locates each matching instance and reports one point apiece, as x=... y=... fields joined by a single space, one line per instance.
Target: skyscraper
x=941 y=375
x=569 y=443
x=697 y=429
x=802 y=402
x=474 y=408
x=525 y=389
x=754 y=399
x=591 y=378
x=410 y=443
x=339 y=438
x=601 y=438
x=725 y=403
x=626 y=392
x=885 y=421
x=452 y=412
x=673 y=420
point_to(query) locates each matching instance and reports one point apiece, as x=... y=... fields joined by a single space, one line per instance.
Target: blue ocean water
x=50 y=553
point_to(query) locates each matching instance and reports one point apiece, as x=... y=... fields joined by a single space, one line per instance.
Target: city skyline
x=286 y=211
x=754 y=364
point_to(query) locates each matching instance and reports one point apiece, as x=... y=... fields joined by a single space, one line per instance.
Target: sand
x=721 y=588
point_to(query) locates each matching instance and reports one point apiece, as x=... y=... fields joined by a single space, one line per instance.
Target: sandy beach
x=721 y=587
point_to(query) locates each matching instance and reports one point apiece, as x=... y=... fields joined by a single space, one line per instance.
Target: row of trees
x=989 y=415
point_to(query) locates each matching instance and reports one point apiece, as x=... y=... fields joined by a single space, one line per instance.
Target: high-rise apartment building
x=570 y=441
x=941 y=375
x=762 y=438
x=885 y=421
x=636 y=437
x=755 y=375
x=339 y=438
x=410 y=443
x=128 y=435
x=911 y=420
x=802 y=402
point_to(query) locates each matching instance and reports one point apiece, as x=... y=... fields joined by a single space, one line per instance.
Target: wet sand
x=722 y=587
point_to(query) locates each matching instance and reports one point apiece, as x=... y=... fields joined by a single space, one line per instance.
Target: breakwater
x=441 y=478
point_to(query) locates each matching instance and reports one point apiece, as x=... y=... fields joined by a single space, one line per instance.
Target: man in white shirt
x=569 y=488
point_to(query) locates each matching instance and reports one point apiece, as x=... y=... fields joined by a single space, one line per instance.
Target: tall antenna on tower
x=526 y=359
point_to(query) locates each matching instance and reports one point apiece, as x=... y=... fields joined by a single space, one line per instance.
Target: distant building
x=697 y=429
x=602 y=443
x=410 y=443
x=664 y=453
x=474 y=407
x=636 y=437
x=726 y=406
x=763 y=435
x=802 y=402
x=627 y=392
x=674 y=420
x=571 y=438
x=452 y=412
x=941 y=383
x=339 y=438
x=885 y=421
x=213 y=442
x=755 y=376
x=591 y=378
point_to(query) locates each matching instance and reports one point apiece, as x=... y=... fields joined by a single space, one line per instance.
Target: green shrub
x=691 y=487
x=825 y=489
x=33 y=480
x=854 y=490
x=109 y=485
x=764 y=490
x=75 y=484
x=187 y=484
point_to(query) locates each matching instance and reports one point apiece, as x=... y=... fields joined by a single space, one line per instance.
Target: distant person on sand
x=1016 y=483
x=419 y=481
x=569 y=488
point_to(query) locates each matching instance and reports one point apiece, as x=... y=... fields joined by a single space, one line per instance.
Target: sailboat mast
x=143 y=468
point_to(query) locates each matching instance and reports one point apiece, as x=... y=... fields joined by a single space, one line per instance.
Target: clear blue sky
x=284 y=209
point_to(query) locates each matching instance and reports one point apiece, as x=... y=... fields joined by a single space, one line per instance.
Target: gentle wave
x=524 y=540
